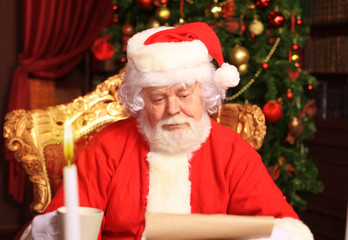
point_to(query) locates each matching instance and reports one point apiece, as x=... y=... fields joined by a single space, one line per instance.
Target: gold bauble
x=295 y=122
x=162 y=14
x=256 y=27
x=243 y=68
x=213 y=10
x=153 y=23
x=239 y=55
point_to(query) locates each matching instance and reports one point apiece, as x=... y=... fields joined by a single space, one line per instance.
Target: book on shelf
x=327 y=54
x=335 y=101
x=326 y=11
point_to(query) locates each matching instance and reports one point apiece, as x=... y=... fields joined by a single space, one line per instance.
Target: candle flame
x=68 y=142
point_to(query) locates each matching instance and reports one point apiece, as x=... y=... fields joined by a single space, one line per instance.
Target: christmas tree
x=264 y=39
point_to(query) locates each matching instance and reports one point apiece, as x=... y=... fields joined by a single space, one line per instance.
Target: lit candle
x=72 y=223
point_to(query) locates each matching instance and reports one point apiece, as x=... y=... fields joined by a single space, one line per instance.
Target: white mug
x=90 y=222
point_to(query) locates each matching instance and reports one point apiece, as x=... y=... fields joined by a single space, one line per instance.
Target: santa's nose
x=173 y=107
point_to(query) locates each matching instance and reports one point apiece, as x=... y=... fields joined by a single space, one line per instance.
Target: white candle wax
x=72 y=223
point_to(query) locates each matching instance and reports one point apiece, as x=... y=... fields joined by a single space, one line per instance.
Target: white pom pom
x=226 y=76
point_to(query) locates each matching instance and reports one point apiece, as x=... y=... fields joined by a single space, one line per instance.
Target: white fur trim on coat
x=296 y=228
x=169 y=184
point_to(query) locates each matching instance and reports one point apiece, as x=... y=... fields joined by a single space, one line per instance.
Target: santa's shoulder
x=117 y=131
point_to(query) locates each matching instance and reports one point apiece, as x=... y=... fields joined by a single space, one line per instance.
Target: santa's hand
x=46 y=227
x=277 y=234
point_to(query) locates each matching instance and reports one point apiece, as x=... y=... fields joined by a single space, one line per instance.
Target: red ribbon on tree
x=233 y=25
x=274 y=171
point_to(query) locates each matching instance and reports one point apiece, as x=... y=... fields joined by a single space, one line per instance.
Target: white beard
x=184 y=140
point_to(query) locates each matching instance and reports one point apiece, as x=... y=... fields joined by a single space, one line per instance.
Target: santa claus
x=169 y=156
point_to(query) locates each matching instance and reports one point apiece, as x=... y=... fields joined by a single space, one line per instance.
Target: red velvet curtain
x=56 y=34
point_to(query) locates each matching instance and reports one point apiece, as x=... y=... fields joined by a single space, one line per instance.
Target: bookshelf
x=326 y=57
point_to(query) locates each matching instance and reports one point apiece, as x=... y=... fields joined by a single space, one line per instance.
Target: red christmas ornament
x=289 y=95
x=275 y=20
x=310 y=87
x=265 y=66
x=127 y=30
x=159 y=3
x=294 y=47
x=116 y=18
x=262 y=4
x=298 y=21
x=271 y=40
x=145 y=5
x=273 y=111
x=295 y=130
x=228 y=9
x=102 y=49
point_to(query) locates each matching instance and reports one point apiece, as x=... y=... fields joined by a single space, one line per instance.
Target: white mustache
x=175 y=120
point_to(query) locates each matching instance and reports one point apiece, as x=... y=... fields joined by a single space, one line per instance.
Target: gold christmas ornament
x=239 y=55
x=213 y=9
x=162 y=14
x=153 y=23
x=295 y=122
x=256 y=27
x=243 y=69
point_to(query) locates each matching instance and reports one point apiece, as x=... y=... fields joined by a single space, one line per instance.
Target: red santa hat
x=165 y=56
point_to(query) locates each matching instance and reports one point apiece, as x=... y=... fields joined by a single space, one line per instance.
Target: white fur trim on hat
x=226 y=76
x=169 y=63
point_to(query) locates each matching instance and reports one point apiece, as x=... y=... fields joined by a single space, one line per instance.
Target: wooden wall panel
x=327 y=211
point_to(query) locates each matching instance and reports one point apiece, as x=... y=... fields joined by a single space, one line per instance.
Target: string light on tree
x=153 y=23
x=116 y=16
x=213 y=9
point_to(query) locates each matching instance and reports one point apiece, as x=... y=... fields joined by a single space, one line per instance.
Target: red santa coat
x=227 y=177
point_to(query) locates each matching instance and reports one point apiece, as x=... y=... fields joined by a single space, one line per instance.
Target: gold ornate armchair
x=36 y=136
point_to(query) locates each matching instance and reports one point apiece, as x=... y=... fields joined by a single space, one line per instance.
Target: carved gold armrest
x=19 y=135
x=247 y=120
